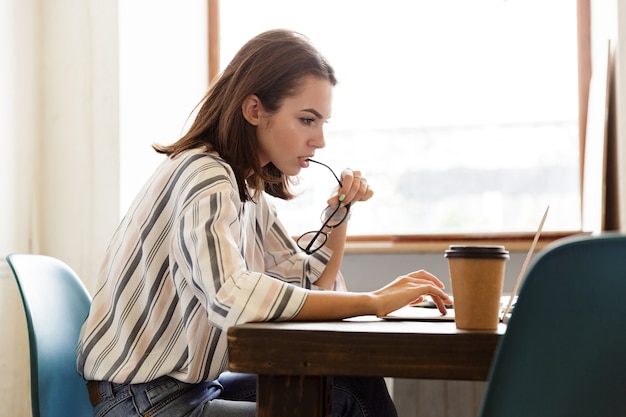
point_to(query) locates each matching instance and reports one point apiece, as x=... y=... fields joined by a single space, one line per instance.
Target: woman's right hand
x=408 y=289
x=404 y=290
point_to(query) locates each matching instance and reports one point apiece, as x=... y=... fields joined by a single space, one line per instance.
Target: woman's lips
x=304 y=161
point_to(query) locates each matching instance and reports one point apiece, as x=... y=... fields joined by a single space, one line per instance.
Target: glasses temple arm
x=329 y=168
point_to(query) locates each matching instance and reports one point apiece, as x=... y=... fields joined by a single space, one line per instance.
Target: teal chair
x=56 y=303
x=564 y=351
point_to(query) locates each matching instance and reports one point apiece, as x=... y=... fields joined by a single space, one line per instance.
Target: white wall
x=367 y=272
x=163 y=76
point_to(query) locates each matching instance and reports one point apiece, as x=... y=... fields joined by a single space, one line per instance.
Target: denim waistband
x=159 y=394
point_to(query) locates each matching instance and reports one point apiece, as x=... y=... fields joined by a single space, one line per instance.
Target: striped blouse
x=188 y=261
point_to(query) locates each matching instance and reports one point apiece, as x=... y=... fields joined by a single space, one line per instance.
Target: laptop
x=428 y=311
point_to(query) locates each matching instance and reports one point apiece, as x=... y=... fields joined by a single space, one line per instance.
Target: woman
x=201 y=249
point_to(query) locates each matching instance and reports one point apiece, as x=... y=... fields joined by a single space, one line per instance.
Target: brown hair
x=271 y=66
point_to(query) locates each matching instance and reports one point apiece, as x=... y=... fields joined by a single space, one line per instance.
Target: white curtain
x=59 y=162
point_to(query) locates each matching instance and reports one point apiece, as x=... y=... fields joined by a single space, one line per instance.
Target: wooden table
x=295 y=361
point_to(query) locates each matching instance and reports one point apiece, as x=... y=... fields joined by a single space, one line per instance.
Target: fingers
x=421 y=274
x=411 y=289
x=440 y=298
x=417 y=301
x=354 y=188
x=441 y=303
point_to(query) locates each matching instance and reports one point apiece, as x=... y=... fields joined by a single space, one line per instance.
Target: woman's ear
x=252 y=109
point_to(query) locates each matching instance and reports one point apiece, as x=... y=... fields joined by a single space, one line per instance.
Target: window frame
x=439 y=242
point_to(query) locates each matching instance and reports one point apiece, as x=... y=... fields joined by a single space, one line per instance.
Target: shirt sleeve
x=284 y=260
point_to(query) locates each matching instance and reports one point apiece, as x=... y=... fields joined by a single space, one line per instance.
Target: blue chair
x=56 y=303
x=564 y=351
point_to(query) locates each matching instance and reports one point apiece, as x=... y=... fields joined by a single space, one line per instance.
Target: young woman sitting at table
x=201 y=249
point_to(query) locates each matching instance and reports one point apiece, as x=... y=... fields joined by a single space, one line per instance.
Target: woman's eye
x=307 y=120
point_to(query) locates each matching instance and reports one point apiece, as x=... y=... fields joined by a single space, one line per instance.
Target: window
x=463 y=114
x=163 y=75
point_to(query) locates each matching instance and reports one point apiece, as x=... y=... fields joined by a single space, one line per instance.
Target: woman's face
x=290 y=136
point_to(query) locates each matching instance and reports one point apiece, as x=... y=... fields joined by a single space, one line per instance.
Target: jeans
x=231 y=395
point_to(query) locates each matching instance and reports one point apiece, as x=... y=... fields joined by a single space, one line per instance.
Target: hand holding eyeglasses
x=353 y=188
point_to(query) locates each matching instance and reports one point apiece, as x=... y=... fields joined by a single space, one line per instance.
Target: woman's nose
x=318 y=141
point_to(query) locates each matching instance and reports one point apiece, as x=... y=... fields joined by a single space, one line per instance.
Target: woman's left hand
x=354 y=188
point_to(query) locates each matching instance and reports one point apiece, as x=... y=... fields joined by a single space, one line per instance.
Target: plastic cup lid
x=473 y=251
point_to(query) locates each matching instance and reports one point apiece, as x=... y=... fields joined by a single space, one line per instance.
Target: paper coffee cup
x=476 y=277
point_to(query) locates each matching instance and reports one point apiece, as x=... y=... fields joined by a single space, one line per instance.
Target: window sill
x=438 y=243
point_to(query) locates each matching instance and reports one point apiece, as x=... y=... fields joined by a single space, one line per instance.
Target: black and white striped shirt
x=188 y=261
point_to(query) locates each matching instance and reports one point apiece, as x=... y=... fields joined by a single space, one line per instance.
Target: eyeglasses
x=332 y=216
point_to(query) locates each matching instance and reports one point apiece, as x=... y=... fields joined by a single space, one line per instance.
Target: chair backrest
x=56 y=303
x=564 y=351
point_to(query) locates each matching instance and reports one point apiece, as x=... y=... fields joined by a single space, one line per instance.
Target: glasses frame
x=316 y=234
